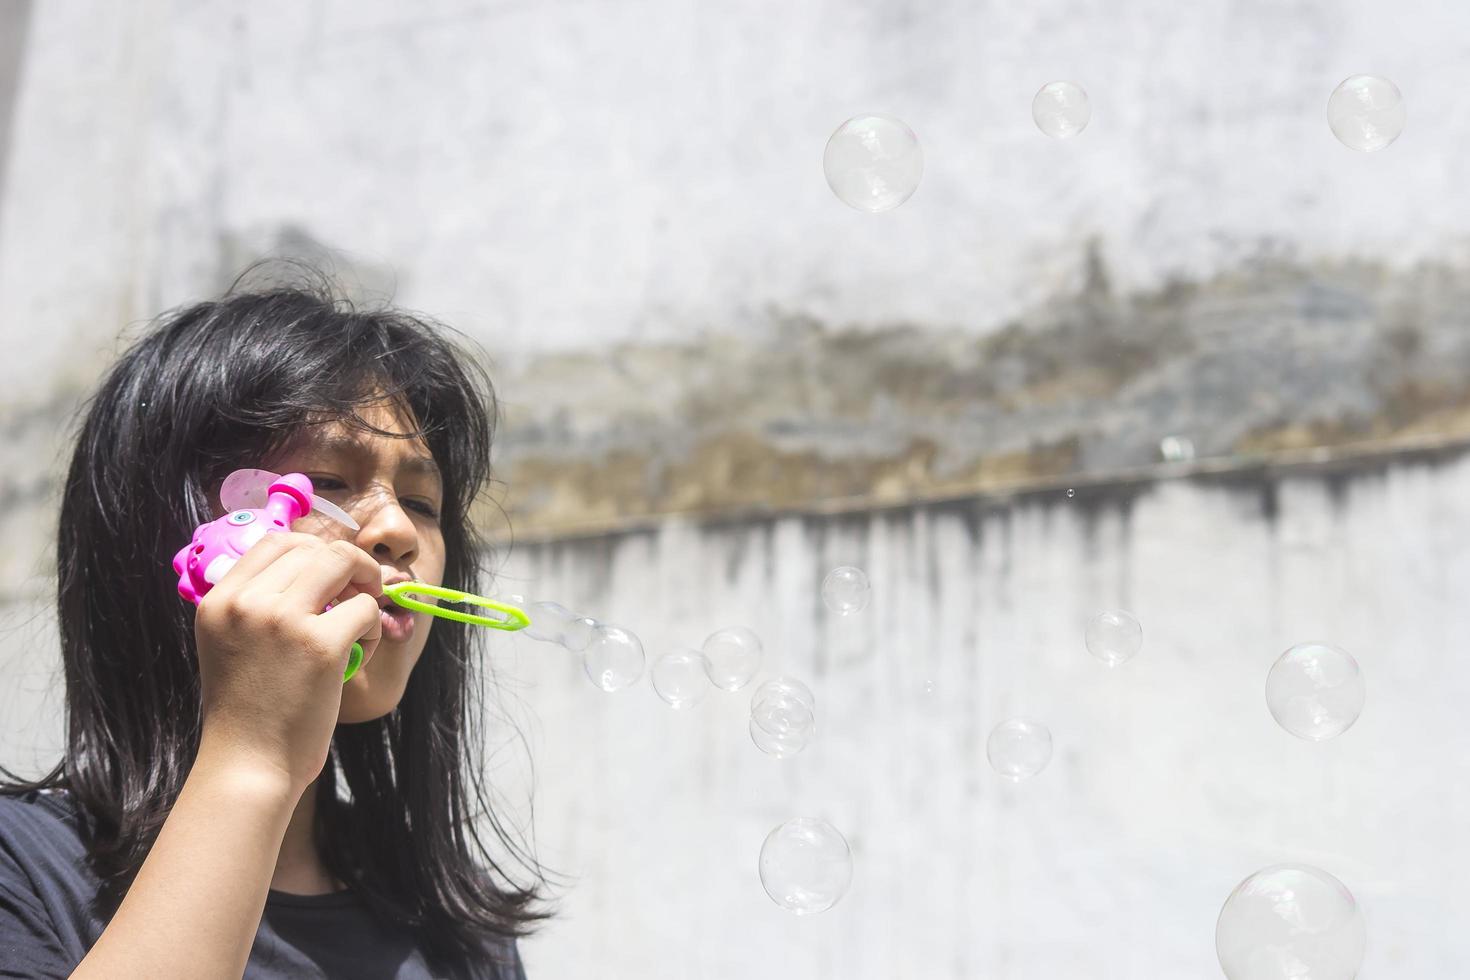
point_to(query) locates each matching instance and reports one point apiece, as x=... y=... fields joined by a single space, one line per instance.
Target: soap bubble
x=679 y=677
x=1061 y=109
x=1315 y=691
x=614 y=657
x=1019 y=748
x=782 y=717
x=805 y=865
x=873 y=163
x=1114 y=637
x=549 y=621
x=578 y=634
x=1176 y=449
x=846 y=590
x=732 y=656
x=1366 y=113
x=1291 y=922
x=555 y=623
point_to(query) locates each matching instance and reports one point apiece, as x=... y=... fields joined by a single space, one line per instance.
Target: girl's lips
x=397 y=623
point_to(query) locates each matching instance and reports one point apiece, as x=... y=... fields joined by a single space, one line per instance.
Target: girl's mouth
x=398 y=623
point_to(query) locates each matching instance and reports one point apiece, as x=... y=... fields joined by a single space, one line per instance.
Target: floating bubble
x=1176 y=449
x=1315 y=691
x=1291 y=922
x=1366 y=113
x=782 y=717
x=1019 y=748
x=679 y=677
x=578 y=634
x=1114 y=637
x=614 y=658
x=1071 y=493
x=873 y=163
x=806 y=865
x=549 y=621
x=1061 y=109
x=846 y=590
x=732 y=657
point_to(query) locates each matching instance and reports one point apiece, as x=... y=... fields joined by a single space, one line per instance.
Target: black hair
x=404 y=814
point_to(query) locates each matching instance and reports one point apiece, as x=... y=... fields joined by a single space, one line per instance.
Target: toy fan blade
x=250 y=489
x=246 y=489
x=333 y=511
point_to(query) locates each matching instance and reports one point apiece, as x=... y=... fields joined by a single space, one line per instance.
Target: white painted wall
x=567 y=174
x=1170 y=781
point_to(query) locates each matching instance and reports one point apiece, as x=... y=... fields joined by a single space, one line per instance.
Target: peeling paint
x=1271 y=357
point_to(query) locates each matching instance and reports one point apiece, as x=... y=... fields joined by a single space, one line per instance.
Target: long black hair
x=404 y=814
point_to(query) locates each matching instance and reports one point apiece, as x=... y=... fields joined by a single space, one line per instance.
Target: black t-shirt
x=47 y=923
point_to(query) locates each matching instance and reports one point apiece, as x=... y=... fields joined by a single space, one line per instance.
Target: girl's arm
x=270 y=664
x=195 y=906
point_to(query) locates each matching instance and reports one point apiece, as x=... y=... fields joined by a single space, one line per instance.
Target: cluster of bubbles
x=1019 y=748
x=874 y=162
x=729 y=660
x=783 y=717
x=611 y=655
x=1290 y=921
x=805 y=865
x=1283 y=922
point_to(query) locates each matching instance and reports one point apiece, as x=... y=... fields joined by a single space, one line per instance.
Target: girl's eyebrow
x=342 y=443
x=423 y=465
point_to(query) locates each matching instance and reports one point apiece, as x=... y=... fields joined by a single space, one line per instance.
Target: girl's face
x=391 y=487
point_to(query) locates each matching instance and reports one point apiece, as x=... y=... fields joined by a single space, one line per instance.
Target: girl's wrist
x=244 y=773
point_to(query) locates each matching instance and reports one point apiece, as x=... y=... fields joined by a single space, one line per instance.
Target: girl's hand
x=271 y=661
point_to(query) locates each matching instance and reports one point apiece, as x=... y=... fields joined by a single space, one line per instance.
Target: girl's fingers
x=260 y=556
x=355 y=619
x=339 y=567
x=277 y=576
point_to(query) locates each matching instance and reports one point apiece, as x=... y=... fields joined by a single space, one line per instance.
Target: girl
x=226 y=804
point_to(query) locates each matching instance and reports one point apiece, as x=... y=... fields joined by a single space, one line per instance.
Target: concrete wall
x=1170 y=780
x=625 y=203
x=553 y=175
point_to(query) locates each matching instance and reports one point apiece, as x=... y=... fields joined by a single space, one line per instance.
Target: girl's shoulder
x=41 y=839
x=47 y=888
x=38 y=816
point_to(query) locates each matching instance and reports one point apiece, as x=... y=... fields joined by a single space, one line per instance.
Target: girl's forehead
x=398 y=442
x=337 y=439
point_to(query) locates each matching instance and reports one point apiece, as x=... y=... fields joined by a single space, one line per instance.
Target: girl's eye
x=329 y=484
